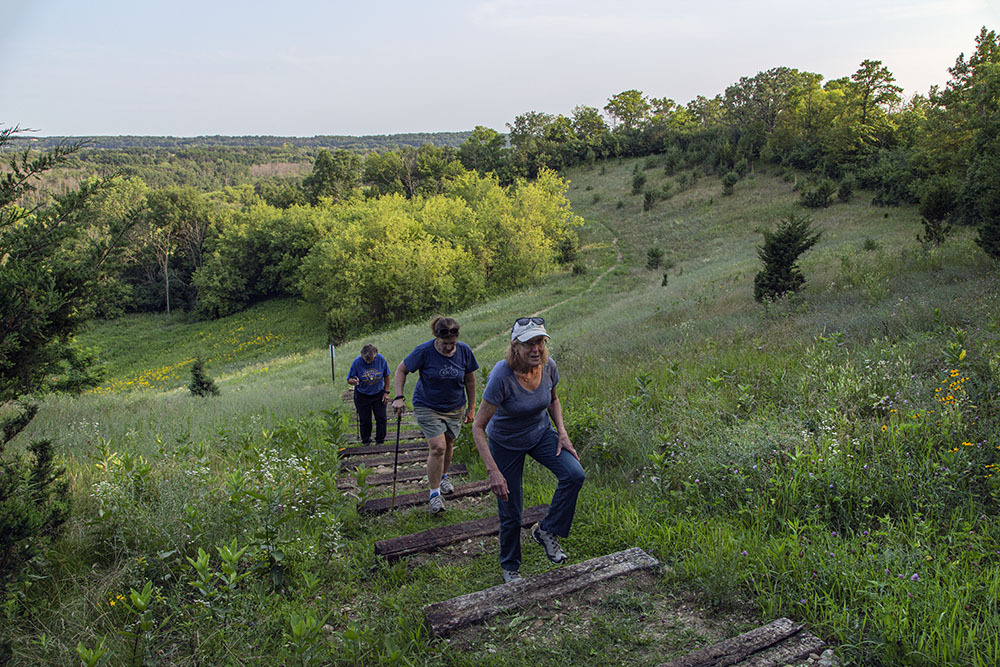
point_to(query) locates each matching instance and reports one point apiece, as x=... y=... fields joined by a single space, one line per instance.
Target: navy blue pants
x=570 y=476
x=366 y=406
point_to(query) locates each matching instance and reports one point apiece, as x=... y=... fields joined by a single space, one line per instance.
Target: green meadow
x=828 y=457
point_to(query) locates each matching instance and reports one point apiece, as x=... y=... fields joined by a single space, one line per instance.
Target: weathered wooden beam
x=444 y=618
x=402 y=476
x=368 y=450
x=771 y=645
x=403 y=435
x=379 y=505
x=435 y=538
x=383 y=461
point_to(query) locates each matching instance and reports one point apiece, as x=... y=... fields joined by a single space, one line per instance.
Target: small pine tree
x=654 y=256
x=780 y=254
x=820 y=196
x=989 y=238
x=729 y=182
x=201 y=384
x=34 y=497
x=648 y=200
x=939 y=200
x=638 y=180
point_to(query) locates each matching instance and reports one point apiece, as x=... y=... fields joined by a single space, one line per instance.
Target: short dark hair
x=440 y=323
x=368 y=352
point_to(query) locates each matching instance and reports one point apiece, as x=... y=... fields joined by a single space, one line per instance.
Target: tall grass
x=829 y=457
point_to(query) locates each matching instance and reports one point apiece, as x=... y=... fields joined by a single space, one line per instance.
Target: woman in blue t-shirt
x=445 y=396
x=514 y=413
x=369 y=375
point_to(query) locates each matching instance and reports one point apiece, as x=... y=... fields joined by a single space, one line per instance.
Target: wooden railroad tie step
x=368 y=450
x=379 y=505
x=402 y=476
x=390 y=432
x=444 y=618
x=777 y=643
x=383 y=460
x=435 y=538
x=403 y=435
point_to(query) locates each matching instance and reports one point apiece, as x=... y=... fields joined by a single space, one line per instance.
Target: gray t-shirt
x=521 y=418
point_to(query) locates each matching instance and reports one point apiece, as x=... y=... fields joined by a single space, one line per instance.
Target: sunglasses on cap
x=446 y=333
x=525 y=321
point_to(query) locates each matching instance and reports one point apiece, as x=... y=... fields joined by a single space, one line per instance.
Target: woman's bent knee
x=574 y=475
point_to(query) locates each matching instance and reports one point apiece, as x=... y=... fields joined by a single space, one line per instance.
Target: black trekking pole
x=357 y=411
x=395 y=460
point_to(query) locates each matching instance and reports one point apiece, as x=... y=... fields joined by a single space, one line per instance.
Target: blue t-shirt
x=521 y=418
x=441 y=385
x=371 y=377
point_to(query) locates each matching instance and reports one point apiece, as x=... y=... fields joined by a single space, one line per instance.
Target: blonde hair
x=514 y=361
x=368 y=352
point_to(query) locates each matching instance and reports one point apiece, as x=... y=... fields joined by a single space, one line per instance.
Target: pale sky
x=302 y=68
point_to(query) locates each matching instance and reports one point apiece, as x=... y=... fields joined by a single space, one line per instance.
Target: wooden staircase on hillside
x=781 y=642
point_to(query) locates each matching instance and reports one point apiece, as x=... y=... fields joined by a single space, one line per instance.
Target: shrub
x=846 y=189
x=638 y=180
x=579 y=268
x=566 y=249
x=819 y=196
x=34 y=502
x=729 y=182
x=937 y=203
x=201 y=384
x=654 y=257
x=673 y=160
x=648 y=200
x=780 y=253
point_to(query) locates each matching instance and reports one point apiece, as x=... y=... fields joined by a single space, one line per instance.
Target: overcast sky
x=301 y=68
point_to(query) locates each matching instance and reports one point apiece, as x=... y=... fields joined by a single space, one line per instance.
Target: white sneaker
x=436 y=504
x=446 y=486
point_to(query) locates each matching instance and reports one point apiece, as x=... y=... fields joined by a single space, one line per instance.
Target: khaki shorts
x=433 y=423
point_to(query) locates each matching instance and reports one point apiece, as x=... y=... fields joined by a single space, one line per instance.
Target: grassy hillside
x=793 y=459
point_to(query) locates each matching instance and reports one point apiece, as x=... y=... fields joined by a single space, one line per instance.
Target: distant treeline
x=362 y=143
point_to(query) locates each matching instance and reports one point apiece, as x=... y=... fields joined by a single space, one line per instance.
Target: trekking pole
x=357 y=411
x=395 y=460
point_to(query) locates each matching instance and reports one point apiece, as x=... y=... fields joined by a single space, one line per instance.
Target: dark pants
x=367 y=405
x=569 y=473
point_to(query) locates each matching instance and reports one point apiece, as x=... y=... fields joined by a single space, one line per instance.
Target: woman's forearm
x=555 y=411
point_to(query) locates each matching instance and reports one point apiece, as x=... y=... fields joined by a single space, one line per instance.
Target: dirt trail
x=618 y=262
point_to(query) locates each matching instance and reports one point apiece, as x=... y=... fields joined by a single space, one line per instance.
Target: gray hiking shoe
x=436 y=504
x=551 y=545
x=511 y=575
x=446 y=486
